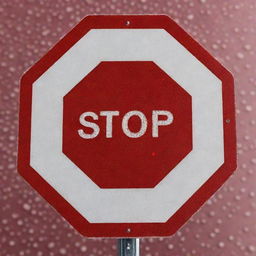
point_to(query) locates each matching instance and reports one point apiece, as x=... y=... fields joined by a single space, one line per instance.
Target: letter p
x=156 y=122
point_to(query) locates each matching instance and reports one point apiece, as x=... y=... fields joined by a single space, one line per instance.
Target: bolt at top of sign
x=119 y=112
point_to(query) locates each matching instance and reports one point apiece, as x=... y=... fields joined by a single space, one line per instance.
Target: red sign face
x=127 y=126
x=122 y=111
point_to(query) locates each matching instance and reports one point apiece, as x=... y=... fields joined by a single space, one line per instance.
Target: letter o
x=143 y=127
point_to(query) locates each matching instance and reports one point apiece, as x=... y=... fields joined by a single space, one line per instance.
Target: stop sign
x=108 y=94
x=127 y=126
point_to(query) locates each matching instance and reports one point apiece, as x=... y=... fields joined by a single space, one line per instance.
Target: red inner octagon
x=121 y=161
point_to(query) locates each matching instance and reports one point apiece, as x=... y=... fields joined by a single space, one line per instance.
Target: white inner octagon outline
x=127 y=205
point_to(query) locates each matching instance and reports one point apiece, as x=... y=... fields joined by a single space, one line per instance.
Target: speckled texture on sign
x=226 y=224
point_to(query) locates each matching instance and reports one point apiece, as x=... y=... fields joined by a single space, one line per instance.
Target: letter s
x=85 y=123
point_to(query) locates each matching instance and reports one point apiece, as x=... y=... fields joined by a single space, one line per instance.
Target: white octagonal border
x=114 y=205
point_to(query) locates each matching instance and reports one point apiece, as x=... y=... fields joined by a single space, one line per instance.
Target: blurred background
x=226 y=224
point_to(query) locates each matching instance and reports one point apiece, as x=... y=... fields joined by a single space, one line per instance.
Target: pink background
x=226 y=224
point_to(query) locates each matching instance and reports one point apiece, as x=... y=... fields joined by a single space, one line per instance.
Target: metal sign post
x=128 y=247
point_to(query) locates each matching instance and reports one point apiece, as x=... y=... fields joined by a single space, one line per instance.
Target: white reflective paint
x=143 y=121
x=156 y=122
x=109 y=121
x=92 y=125
x=114 y=205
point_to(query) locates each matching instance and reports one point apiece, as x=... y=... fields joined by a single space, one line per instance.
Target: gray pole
x=128 y=247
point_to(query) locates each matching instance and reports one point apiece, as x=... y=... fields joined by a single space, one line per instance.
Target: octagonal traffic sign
x=105 y=153
x=127 y=126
